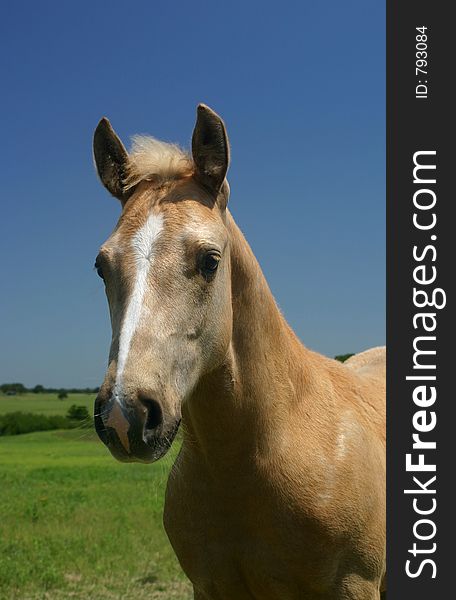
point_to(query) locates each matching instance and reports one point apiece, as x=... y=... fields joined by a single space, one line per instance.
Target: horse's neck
x=263 y=344
x=236 y=406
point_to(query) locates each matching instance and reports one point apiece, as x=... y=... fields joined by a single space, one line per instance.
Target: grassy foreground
x=44 y=404
x=76 y=524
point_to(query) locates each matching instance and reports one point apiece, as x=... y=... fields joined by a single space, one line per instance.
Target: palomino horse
x=278 y=492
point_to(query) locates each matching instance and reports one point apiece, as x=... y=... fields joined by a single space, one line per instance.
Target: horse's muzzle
x=134 y=432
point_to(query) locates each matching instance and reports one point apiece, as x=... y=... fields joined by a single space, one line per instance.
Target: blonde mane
x=152 y=159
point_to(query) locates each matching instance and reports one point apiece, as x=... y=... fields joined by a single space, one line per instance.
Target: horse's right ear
x=111 y=159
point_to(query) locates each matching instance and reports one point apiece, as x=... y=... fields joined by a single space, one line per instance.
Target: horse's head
x=166 y=270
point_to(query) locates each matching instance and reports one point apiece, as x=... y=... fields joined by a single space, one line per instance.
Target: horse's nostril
x=154 y=414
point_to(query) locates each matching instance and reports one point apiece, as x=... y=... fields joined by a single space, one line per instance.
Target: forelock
x=153 y=160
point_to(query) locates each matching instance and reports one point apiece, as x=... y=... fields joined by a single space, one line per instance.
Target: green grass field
x=44 y=404
x=76 y=524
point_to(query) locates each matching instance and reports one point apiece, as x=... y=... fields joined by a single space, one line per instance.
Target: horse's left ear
x=111 y=160
x=210 y=149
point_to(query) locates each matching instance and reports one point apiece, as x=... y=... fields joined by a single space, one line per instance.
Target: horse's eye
x=99 y=271
x=210 y=263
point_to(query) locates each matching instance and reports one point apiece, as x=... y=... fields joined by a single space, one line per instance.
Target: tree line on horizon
x=20 y=388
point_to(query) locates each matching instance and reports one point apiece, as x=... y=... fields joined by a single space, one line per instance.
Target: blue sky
x=301 y=88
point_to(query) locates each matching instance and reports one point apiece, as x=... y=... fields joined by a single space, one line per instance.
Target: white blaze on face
x=143 y=246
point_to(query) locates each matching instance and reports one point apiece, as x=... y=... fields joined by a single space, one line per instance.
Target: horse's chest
x=242 y=545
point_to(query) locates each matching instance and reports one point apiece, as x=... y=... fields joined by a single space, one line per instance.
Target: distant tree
x=13 y=388
x=343 y=357
x=38 y=389
x=78 y=413
x=62 y=395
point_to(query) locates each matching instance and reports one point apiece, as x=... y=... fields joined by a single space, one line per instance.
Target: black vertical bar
x=420 y=119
